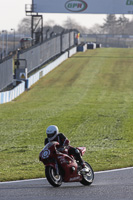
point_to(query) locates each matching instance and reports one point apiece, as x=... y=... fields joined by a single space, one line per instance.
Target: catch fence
x=36 y=56
x=40 y=54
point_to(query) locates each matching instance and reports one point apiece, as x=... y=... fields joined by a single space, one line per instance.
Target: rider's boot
x=84 y=168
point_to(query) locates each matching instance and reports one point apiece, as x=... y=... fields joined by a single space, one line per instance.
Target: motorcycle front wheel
x=88 y=177
x=53 y=178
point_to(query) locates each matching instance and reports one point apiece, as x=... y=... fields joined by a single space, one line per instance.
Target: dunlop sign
x=84 y=6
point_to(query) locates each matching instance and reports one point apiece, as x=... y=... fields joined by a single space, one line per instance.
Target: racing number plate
x=45 y=154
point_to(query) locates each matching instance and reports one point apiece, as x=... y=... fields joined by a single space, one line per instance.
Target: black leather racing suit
x=63 y=141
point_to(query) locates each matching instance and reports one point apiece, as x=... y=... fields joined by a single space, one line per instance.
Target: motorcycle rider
x=53 y=135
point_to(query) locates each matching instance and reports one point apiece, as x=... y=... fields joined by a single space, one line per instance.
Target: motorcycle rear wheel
x=88 y=178
x=53 y=178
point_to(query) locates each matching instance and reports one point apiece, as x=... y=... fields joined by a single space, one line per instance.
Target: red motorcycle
x=61 y=167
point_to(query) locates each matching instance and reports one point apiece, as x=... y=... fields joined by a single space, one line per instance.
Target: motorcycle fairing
x=70 y=168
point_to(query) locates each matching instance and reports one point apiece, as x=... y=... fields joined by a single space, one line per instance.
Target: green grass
x=89 y=97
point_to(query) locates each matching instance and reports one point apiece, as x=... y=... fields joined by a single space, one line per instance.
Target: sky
x=13 y=11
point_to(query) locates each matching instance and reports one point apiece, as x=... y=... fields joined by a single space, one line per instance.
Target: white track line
x=114 y=170
x=100 y=172
x=20 y=181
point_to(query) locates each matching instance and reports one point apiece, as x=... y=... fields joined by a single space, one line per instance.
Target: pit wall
x=12 y=94
x=72 y=51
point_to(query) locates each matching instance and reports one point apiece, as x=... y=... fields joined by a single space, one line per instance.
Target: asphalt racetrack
x=108 y=185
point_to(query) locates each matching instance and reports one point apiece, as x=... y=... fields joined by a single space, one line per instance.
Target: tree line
x=112 y=25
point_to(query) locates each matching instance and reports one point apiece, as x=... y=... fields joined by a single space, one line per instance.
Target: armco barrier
x=8 y=96
x=34 y=78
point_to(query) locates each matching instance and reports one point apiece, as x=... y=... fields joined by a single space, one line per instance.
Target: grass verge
x=89 y=97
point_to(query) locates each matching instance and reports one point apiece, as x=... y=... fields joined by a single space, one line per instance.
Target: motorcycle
x=61 y=167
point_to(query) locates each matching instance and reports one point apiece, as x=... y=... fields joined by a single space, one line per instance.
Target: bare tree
x=72 y=24
x=24 y=27
x=96 y=29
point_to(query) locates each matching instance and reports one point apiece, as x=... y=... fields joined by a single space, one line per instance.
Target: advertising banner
x=84 y=6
